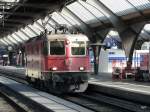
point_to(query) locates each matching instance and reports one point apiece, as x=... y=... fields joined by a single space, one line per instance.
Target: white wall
x=103 y=61
x=106 y=62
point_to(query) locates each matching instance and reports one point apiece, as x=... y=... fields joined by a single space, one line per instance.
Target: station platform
x=13 y=69
x=46 y=100
x=126 y=89
x=103 y=82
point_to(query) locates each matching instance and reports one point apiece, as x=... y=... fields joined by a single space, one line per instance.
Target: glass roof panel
x=67 y=16
x=59 y=19
x=4 y=42
x=81 y=12
x=48 y=27
x=10 y=40
x=13 y=40
x=35 y=29
x=39 y=21
x=42 y=22
x=93 y=3
x=38 y=25
x=46 y=18
x=120 y=7
x=140 y=4
x=29 y=32
x=96 y=12
x=147 y=27
x=51 y=22
x=8 y=3
x=9 y=0
x=113 y=33
x=16 y=37
x=144 y=34
x=22 y=35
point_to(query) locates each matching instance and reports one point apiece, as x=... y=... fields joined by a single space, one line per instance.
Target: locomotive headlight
x=81 y=68
x=54 y=68
x=67 y=42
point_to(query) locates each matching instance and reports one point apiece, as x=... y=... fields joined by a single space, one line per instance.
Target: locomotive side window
x=78 y=48
x=57 y=48
x=45 y=48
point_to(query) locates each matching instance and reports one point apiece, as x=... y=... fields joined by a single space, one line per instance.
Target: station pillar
x=97 y=47
x=10 y=57
x=96 y=51
x=129 y=37
x=23 y=56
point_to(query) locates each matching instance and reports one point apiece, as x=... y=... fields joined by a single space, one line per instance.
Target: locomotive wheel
x=30 y=81
x=55 y=89
x=41 y=85
x=35 y=84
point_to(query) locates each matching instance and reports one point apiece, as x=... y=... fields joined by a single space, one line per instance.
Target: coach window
x=57 y=48
x=78 y=48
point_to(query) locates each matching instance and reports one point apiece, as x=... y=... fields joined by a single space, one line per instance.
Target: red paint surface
x=67 y=63
x=36 y=59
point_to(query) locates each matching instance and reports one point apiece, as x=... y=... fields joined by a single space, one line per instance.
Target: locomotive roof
x=71 y=37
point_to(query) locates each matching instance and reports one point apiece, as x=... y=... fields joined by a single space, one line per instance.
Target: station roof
x=24 y=19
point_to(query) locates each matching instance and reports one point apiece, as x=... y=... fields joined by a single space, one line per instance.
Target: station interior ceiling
x=21 y=20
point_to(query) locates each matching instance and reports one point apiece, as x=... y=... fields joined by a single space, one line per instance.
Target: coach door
x=33 y=62
x=39 y=59
x=36 y=61
x=30 y=61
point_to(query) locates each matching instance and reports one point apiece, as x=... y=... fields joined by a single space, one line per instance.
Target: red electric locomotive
x=58 y=62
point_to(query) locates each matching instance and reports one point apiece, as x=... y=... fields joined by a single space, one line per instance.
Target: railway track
x=94 y=105
x=18 y=102
x=7 y=105
x=123 y=104
x=13 y=75
x=104 y=103
x=9 y=101
x=96 y=101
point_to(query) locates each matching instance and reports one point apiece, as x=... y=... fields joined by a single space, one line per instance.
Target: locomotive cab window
x=57 y=48
x=78 y=48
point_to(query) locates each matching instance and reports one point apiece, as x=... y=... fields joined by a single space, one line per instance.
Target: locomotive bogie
x=67 y=82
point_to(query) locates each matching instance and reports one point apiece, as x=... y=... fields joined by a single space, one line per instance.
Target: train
x=58 y=62
x=115 y=62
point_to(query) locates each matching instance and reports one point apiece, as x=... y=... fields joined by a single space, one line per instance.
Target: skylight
x=120 y=7
x=7 y=4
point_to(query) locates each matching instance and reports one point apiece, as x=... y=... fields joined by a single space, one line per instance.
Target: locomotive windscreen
x=57 y=48
x=78 y=48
